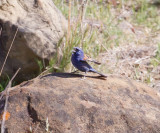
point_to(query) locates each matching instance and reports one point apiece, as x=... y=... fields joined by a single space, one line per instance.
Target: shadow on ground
x=72 y=75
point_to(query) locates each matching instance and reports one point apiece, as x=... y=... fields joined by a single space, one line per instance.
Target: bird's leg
x=84 y=76
x=75 y=71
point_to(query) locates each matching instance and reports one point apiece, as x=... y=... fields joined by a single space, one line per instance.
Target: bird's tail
x=94 y=71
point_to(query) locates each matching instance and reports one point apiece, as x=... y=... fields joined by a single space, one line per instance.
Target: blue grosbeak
x=79 y=61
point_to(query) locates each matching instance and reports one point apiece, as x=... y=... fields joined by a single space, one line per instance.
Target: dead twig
x=0 y=31
x=83 y=12
x=8 y=52
x=69 y=22
x=45 y=71
x=6 y=101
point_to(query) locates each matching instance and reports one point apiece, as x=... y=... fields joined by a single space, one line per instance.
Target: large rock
x=73 y=105
x=40 y=26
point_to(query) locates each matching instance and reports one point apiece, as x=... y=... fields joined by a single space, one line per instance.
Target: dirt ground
x=136 y=58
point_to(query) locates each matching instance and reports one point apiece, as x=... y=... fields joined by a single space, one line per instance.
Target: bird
x=79 y=61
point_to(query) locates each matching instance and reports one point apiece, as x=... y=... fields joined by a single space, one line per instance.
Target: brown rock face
x=73 y=105
x=40 y=26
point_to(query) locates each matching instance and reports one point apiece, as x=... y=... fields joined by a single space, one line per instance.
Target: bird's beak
x=74 y=50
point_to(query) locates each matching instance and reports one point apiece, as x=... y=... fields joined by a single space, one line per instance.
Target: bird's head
x=77 y=51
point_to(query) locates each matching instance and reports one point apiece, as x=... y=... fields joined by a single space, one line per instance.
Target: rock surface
x=73 y=105
x=40 y=26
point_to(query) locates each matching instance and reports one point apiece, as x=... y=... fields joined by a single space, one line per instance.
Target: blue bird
x=79 y=61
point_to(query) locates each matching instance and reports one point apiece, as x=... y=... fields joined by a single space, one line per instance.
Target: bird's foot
x=83 y=78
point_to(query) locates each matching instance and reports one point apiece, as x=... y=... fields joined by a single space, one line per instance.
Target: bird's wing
x=86 y=58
